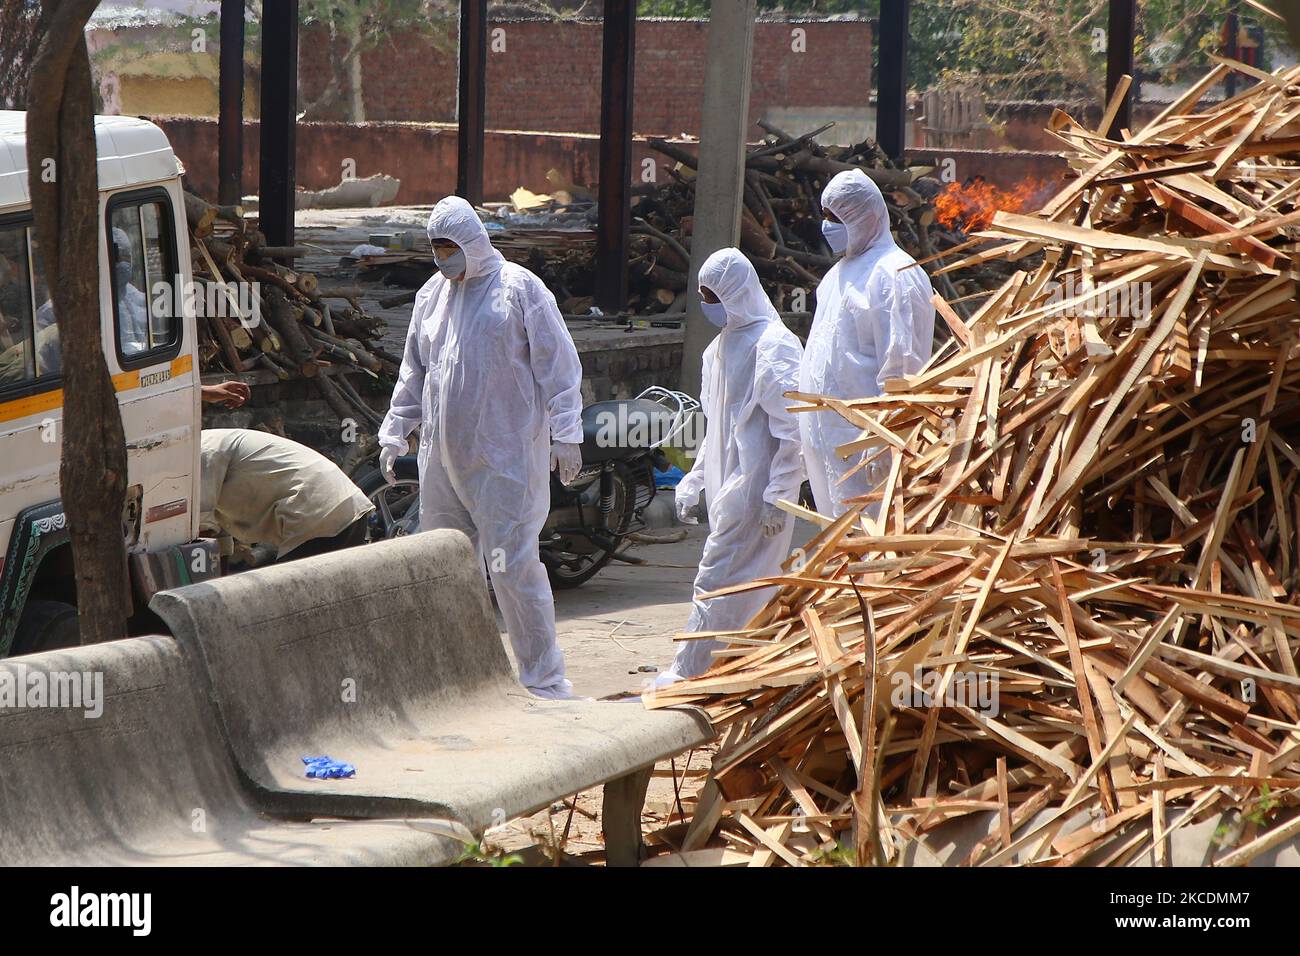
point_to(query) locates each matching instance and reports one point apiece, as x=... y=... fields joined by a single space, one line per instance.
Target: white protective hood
x=455 y=219
x=731 y=277
x=857 y=202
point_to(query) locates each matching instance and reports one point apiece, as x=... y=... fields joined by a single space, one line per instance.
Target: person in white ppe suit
x=132 y=307
x=750 y=456
x=491 y=376
x=874 y=321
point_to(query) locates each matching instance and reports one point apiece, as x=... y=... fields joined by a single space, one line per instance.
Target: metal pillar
x=471 y=104
x=891 y=85
x=230 y=118
x=720 y=179
x=614 y=197
x=277 y=177
x=1121 y=27
x=1232 y=49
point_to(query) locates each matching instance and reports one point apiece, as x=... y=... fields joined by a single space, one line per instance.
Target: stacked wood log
x=272 y=317
x=1064 y=624
x=780 y=230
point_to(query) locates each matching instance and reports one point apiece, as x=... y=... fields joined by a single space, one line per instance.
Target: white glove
x=687 y=511
x=772 y=520
x=387 y=457
x=566 y=458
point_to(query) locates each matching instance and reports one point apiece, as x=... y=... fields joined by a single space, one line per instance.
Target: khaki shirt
x=263 y=489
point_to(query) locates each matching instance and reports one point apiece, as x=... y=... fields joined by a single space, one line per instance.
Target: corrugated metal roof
x=131 y=151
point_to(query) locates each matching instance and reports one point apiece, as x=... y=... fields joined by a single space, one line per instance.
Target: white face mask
x=453 y=267
x=837 y=235
x=122 y=272
x=715 y=312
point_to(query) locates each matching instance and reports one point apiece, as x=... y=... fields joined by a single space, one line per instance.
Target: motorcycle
x=592 y=516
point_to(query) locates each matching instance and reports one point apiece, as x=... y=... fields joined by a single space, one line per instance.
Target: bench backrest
x=119 y=749
x=358 y=640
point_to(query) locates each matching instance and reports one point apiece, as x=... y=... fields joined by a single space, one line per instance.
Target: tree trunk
x=354 y=76
x=65 y=206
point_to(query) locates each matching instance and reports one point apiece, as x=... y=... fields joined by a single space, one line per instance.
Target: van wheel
x=46 y=626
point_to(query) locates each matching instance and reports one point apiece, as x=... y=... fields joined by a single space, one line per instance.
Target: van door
x=149 y=338
x=31 y=414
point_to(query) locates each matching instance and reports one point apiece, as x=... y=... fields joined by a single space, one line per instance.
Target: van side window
x=142 y=257
x=49 y=360
x=29 y=336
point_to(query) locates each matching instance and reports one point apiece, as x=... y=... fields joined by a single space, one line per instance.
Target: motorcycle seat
x=614 y=428
x=407 y=468
x=609 y=430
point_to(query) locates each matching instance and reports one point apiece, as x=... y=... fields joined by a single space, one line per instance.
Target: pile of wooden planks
x=255 y=312
x=1062 y=628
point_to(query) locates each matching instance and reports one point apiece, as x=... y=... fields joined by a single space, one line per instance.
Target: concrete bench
x=149 y=780
x=388 y=657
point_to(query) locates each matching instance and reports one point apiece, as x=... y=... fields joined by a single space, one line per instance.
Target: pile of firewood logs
x=1062 y=630
x=268 y=316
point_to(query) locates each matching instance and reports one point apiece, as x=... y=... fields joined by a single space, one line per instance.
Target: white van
x=150 y=346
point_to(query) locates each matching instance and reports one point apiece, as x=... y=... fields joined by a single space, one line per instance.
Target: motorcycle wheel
x=396 y=506
x=571 y=569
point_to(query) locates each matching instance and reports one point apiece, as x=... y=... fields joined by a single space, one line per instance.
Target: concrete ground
x=616 y=632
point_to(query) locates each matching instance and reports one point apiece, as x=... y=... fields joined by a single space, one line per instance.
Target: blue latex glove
x=327 y=768
x=669 y=478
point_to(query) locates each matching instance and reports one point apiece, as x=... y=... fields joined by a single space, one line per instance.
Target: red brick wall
x=423 y=157
x=547 y=77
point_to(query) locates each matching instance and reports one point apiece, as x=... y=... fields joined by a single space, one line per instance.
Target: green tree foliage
x=1034 y=49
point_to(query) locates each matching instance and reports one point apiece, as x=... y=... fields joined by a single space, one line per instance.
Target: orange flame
x=970 y=206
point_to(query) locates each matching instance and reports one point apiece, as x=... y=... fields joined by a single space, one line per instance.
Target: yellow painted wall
x=167 y=96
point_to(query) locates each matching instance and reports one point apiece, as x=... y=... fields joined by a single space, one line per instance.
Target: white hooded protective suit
x=492 y=375
x=873 y=322
x=750 y=456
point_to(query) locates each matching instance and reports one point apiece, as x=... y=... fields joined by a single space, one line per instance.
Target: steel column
x=230 y=118
x=1232 y=49
x=277 y=171
x=614 y=198
x=891 y=85
x=471 y=104
x=1121 y=27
